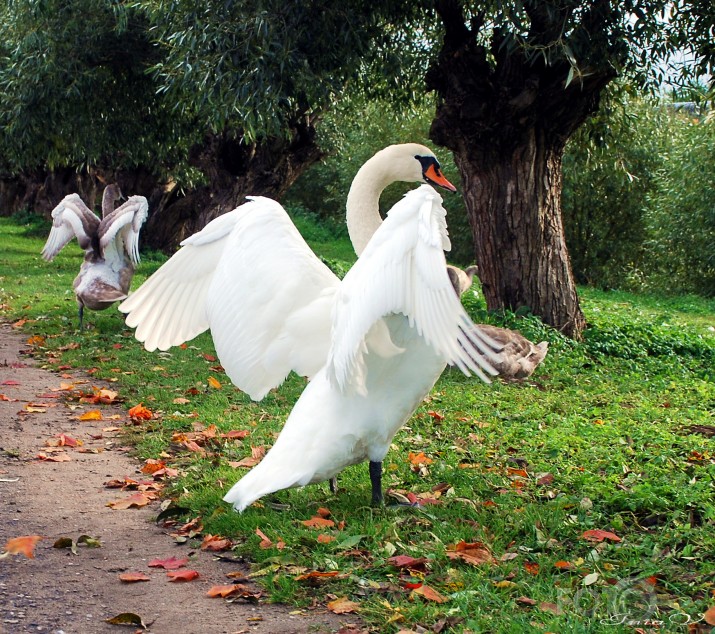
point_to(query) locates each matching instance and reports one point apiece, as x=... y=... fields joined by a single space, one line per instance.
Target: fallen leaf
x=137 y=500
x=36 y=340
x=233 y=590
x=132 y=577
x=93 y=414
x=10 y=382
x=598 y=535
x=417 y=459
x=214 y=383
x=325 y=539
x=317 y=574
x=531 y=568
x=343 y=606
x=473 y=553
x=151 y=466
x=550 y=607
x=709 y=615
x=60 y=457
x=6 y=398
x=182 y=575
x=181 y=401
x=24 y=545
x=430 y=594
x=170 y=563
x=525 y=601
x=126 y=618
x=34 y=410
x=318 y=522
x=236 y=434
x=563 y=565
x=139 y=412
x=214 y=543
x=410 y=563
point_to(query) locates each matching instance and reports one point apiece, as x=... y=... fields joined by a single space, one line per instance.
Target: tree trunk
x=519 y=242
x=506 y=114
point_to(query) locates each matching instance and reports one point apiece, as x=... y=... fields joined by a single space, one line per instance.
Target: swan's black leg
x=376 y=481
x=81 y=314
x=333 y=482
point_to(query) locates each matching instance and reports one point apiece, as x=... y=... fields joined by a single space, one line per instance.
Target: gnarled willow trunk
x=514 y=205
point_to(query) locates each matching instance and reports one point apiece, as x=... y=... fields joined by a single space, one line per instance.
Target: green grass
x=608 y=419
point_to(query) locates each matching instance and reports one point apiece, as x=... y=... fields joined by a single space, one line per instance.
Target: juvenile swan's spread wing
x=251 y=278
x=403 y=271
x=69 y=219
x=123 y=226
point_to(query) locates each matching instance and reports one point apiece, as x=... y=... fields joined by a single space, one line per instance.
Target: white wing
x=126 y=222
x=403 y=271
x=251 y=278
x=69 y=219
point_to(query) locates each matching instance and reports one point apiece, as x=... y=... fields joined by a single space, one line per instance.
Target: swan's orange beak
x=434 y=175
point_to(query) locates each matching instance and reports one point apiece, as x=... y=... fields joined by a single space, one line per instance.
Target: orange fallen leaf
x=417 y=459
x=323 y=512
x=182 y=575
x=236 y=434
x=430 y=594
x=214 y=543
x=93 y=414
x=139 y=412
x=214 y=383
x=325 y=539
x=598 y=535
x=265 y=540
x=436 y=415
x=152 y=466
x=318 y=522
x=24 y=545
x=170 y=563
x=36 y=340
x=132 y=577
x=137 y=500
x=532 y=568
x=563 y=565
x=236 y=589
x=709 y=615
x=6 y=398
x=343 y=606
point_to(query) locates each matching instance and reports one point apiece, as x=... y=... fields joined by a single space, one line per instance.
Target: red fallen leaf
x=10 y=382
x=422 y=499
x=192 y=446
x=170 y=563
x=59 y=457
x=68 y=441
x=436 y=415
x=598 y=535
x=417 y=459
x=24 y=545
x=411 y=563
x=317 y=574
x=214 y=543
x=139 y=412
x=318 y=522
x=209 y=357
x=117 y=346
x=709 y=615
x=412 y=585
x=563 y=565
x=325 y=539
x=544 y=480
x=473 y=553
x=525 y=601
x=137 y=500
x=430 y=594
x=531 y=568
x=343 y=606
x=236 y=434
x=132 y=577
x=167 y=472
x=511 y=471
x=182 y=575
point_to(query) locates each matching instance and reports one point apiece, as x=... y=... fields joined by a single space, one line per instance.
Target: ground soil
x=63 y=593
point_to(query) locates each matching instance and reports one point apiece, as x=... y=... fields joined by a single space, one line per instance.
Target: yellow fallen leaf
x=214 y=383
x=93 y=414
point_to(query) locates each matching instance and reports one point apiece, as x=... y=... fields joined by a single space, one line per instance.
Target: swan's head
x=112 y=193
x=412 y=162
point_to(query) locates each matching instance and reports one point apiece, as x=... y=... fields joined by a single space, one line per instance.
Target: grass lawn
x=613 y=435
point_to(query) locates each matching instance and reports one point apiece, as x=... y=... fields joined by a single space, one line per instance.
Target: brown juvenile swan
x=519 y=356
x=111 y=245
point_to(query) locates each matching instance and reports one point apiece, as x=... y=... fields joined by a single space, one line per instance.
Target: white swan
x=111 y=245
x=250 y=277
x=396 y=324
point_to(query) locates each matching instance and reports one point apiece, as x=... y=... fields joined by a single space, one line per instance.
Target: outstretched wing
x=69 y=219
x=403 y=271
x=250 y=277
x=123 y=225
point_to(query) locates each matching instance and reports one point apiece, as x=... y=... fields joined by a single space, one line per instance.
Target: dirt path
x=62 y=593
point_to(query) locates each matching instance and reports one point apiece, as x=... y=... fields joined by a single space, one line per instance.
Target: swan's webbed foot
x=376 y=482
x=333 y=484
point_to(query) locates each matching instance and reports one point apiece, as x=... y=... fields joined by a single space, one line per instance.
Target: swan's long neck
x=363 y=206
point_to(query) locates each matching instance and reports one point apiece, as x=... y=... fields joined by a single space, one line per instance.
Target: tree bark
x=506 y=115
